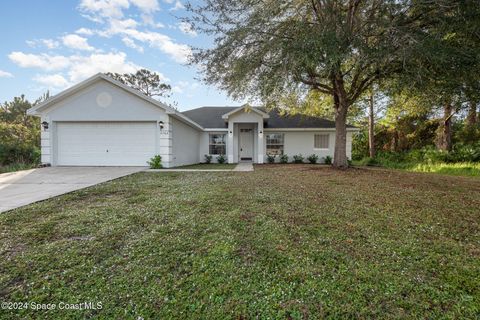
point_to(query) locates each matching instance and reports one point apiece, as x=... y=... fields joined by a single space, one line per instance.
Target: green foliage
x=313 y=158
x=148 y=82
x=221 y=159
x=284 y=158
x=327 y=160
x=208 y=158
x=298 y=158
x=271 y=158
x=19 y=134
x=155 y=162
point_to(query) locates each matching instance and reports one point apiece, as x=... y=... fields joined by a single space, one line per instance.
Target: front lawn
x=293 y=241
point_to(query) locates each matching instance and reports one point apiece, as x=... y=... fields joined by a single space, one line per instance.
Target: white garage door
x=105 y=143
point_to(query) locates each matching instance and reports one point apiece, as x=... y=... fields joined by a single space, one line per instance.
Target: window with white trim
x=321 y=141
x=275 y=143
x=217 y=143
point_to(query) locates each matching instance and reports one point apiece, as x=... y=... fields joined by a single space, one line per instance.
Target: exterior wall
x=186 y=144
x=302 y=142
x=103 y=101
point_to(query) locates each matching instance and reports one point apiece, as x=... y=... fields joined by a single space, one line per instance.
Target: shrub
x=19 y=154
x=298 y=158
x=208 y=158
x=327 y=160
x=221 y=158
x=155 y=162
x=367 y=161
x=284 y=158
x=313 y=158
x=270 y=158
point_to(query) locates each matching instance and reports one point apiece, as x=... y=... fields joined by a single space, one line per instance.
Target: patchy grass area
x=469 y=169
x=293 y=241
x=209 y=166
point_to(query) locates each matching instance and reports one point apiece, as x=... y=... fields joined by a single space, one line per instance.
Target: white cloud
x=105 y=8
x=76 y=67
x=179 y=52
x=5 y=74
x=41 y=61
x=131 y=44
x=48 y=43
x=52 y=80
x=111 y=13
x=101 y=9
x=147 y=6
x=74 y=41
x=85 y=66
x=85 y=31
x=187 y=29
x=178 y=6
x=149 y=21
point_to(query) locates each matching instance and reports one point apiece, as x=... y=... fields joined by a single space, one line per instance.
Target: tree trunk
x=340 y=160
x=371 y=127
x=444 y=134
x=472 y=114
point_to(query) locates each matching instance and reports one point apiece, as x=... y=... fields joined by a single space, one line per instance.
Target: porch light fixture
x=260 y=133
x=160 y=123
x=45 y=125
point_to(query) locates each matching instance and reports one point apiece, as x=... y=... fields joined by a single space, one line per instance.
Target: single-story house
x=102 y=122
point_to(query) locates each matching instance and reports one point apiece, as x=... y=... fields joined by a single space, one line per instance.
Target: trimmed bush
x=208 y=158
x=155 y=162
x=284 y=158
x=221 y=159
x=327 y=160
x=313 y=158
x=298 y=158
x=270 y=158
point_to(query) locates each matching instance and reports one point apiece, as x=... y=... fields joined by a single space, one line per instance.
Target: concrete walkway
x=244 y=166
x=24 y=187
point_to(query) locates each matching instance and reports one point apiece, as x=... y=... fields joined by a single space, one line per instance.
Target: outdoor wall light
x=45 y=125
x=160 y=123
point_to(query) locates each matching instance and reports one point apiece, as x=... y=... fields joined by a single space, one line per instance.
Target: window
x=321 y=141
x=217 y=143
x=274 y=144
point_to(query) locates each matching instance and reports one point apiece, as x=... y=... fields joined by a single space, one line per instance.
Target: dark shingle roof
x=211 y=117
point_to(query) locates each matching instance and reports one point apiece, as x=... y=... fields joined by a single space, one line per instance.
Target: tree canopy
x=280 y=51
x=148 y=82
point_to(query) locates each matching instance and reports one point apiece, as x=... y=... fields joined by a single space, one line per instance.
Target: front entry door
x=246 y=144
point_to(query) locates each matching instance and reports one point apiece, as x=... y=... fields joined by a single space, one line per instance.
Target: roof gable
x=246 y=109
x=88 y=82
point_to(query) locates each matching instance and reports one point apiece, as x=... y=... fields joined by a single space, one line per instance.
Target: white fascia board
x=263 y=114
x=215 y=129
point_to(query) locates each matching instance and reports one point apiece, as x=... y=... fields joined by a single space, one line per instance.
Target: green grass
x=208 y=166
x=16 y=167
x=470 y=169
x=293 y=241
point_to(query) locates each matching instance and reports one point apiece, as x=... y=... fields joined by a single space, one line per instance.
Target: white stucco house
x=102 y=122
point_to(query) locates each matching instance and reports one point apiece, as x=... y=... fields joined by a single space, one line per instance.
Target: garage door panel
x=105 y=143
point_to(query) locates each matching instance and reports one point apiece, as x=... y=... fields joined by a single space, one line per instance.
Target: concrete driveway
x=24 y=187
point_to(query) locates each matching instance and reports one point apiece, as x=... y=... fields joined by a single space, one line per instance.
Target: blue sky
x=51 y=45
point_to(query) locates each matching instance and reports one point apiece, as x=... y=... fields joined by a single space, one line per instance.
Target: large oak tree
x=273 y=50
